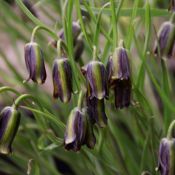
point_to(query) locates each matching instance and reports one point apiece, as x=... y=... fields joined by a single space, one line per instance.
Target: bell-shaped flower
x=62 y=79
x=119 y=76
x=9 y=123
x=96 y=76
x=35 y=62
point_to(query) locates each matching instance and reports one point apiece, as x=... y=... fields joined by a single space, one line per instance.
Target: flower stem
x=24 y=97
x=60 y=45
x=94 y=53
x=172 y=19
x=114 y=24
x=43 y=28
x=80 y=99
x=171 y=130
x=6 y=88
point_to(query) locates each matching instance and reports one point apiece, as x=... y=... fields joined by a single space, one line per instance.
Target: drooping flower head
x=165 y=39
x=75 y=31
x=35 y=62
x=9 y=123
x=62 y=79
x=119 y=76
x=166 y=160
x=96 y=76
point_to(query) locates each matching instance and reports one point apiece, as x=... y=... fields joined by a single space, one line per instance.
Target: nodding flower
x=96 y=76
x=78 y=131
x=164 y=44
x=119 y=76
x=35 y=62
x=62 y=79
x=166 y=156
x=166 y=160
x=9 y=123
x=75 y=31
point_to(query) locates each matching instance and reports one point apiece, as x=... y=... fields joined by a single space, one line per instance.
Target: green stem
x=6 y=88
x=171 y=130
x=43 y=28
x=61 y=44
x=24 y=97
x=98 y=28
x=121 y=43
x=114 y=24
x=94 y=53
x=51 y=117
x=80 y=99
x=172 y=19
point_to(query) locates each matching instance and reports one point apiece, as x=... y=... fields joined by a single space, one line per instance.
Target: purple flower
x=118 y=70
x=166 y=160
x=75 y=130
x=9 y=123
x=165 y=41
x=75 y=31
x=62 y=79
x=96 y=76
x=35 y=62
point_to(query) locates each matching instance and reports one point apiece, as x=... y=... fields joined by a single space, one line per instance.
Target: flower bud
x=118 y=70
x=35 y=62
x=96 y=111
x=75 y=130
x=9 y=123
x=97 y=78
x=166 y=161
x=165 y=40
x=75 y=31
x=62 y=79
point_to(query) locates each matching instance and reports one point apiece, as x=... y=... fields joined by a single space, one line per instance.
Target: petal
x=9 y=123
x=96 y=111
x=62 y=79
x=96 y=76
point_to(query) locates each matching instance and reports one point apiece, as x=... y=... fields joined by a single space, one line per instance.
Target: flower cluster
x=99 y=80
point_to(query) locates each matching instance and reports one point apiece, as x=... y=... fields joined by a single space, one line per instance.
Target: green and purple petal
x=75 y=130
x=62 y=79
x=9 y=123
x=118 y=66
x=97 y=79
x=35 y=62
x=166 y=159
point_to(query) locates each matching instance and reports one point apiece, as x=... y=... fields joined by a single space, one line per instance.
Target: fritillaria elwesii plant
x=94 y=90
